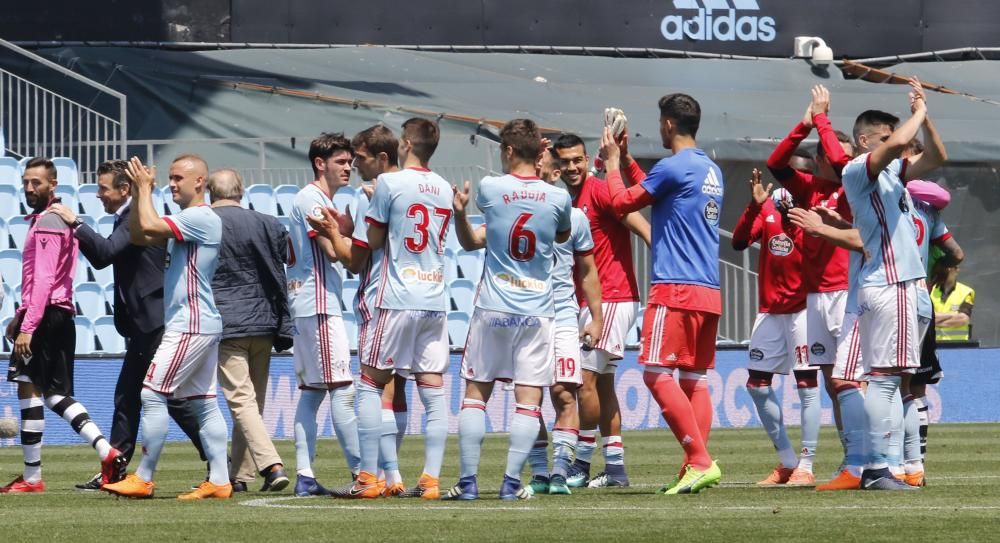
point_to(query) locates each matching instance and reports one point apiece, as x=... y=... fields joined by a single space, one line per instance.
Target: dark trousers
x=128 y=403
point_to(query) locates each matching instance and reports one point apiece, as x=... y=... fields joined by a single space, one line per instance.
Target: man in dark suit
x=138 y=273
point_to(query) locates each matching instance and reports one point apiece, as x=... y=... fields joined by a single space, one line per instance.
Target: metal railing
x=739 y=293
x=37 y=121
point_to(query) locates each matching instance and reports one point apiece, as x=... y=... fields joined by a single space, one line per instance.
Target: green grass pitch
x=960 y=503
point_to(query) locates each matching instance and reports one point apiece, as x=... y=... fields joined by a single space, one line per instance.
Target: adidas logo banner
x=722 y=20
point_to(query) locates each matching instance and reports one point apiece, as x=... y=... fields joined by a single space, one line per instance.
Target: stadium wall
x=963 y=396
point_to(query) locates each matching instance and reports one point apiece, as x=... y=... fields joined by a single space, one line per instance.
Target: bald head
x=188 y=175
x=225 y=184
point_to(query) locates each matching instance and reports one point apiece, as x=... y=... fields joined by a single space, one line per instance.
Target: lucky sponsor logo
x=509 y=281
x=718 y=20
x=411 y=274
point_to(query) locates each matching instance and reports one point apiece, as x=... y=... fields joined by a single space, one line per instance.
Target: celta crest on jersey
x=712 y=213
x=781 y=245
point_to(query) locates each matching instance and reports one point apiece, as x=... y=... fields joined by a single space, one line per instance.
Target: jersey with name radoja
x=314 y=283
x=193 y=254
x=523 y=216
x=882 y=211
x=415 y=206
x=580 y=243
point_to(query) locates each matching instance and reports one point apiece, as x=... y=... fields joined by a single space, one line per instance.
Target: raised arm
x=623 y=200
x=933 y=157
x=748 y=228
x=820 y=108
x=470 y=239
x=146 y=227
x=899 y=140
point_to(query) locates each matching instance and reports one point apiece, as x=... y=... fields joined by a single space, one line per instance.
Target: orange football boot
x=209 y=490
x=779 y=476
x=843 y=481
x=132 y=486
x=801 y=477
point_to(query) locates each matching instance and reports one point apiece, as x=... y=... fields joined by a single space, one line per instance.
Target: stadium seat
x=90 y=300
x=17 y=297
x=638 y=319
x=261 y=198
x=18 y=226
x=458 y=328
x=284 y=197
x=66 y=172
x=351 y=325
x=81 y=275
x=158 y=196
x=632 y=337
x=89 y=221
x=5 y=346
x=4 y=236
x=107 y=335
x=451 y=241
x=89 y=202
x=7 y=306
x=105 y=225
x=10 y=201
x=471 y=264
x=463 y=294
x=10 y=267
x=450 y=266
x=10 y=172
x=476 y=220
x=102 y=276
x=67 y=196
x=109 y=296
x=167 y=199
x=84 y=335
x=286 y=222
x=350 y=289
x=343 y=198
x=20 y=167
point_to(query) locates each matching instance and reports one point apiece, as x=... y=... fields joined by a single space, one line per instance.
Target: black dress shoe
x=91 y=485
x=274 y=480
x=239 y=486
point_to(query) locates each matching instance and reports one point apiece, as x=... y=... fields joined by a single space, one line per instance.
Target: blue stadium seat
x=286 y=222
x=7 y=306
x=84 y=335
x=166 y=199
x=632 y=337
x=4 y=236
x=66 y=172
x=451 y=241
x=89 y=202
x=90 y=300
x=458 y=328
x=261 y=198
x=10 y=267
x=477 y=220
x=284 y=197
x=89 y=221
x=450 y=266
x=351 y=325
x=20 y=167
x=107 y=335
x=105 y=225
x=67 y=195
x=349 y=291
x=471 y=264
x=81 y=275
x=18 y=226
x=109 y=296
x=463 y=294
x=343 y=198
x=10 y=172
x=5 y=346
x=103 y=276
x=10 y=201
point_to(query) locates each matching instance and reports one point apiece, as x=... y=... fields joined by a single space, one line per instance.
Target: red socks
x=680 y=416
x=695 y=387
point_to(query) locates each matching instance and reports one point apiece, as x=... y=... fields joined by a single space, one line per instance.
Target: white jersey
x=415 y=206
x=193 y=255
x=522 y=215
x=930 y=228
x=580 y=243
x=314 y=283
x=882 y=210
x=371 y=272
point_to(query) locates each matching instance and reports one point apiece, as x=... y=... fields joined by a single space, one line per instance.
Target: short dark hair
x=40 y=161
x=423 y=136
x=915 y=147
x=568 y=141
x=119 y=171
x=554 y=153
x=325 y=145
x=871 y=118
x=841 y=137
x=524 y=137
x=378 y=139
x=684 y=111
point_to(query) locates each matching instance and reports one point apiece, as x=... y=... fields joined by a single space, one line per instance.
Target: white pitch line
x=280 y=503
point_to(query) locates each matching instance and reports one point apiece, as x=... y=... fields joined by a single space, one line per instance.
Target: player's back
x=688 y=190
x=415 y=205
x=882 y=210
x=314 y=283
x=523 y=216
x=580 y=242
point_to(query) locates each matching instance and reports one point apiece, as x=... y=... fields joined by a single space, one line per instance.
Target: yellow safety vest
x=961 y=294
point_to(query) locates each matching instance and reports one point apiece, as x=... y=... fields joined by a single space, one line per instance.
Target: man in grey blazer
x=138 y=307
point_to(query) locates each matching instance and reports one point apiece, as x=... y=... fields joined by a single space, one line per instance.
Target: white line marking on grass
x=292 y=502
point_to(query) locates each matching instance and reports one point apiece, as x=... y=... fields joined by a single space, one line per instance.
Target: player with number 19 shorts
x=510 y=336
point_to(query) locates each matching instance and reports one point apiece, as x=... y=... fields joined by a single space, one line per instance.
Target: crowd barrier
x=968 y=393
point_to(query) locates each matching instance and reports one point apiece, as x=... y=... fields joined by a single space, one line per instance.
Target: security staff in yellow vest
x=953 y=303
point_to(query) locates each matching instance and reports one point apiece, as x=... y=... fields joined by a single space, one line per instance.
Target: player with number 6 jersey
x=510 y=336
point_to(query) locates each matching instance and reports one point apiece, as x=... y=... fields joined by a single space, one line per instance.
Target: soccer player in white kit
x=322 y=353
x=578 y=251
x=186 y=362
x=891 y=272
x=510 y=336
x=376 y=151
x=408 y=219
